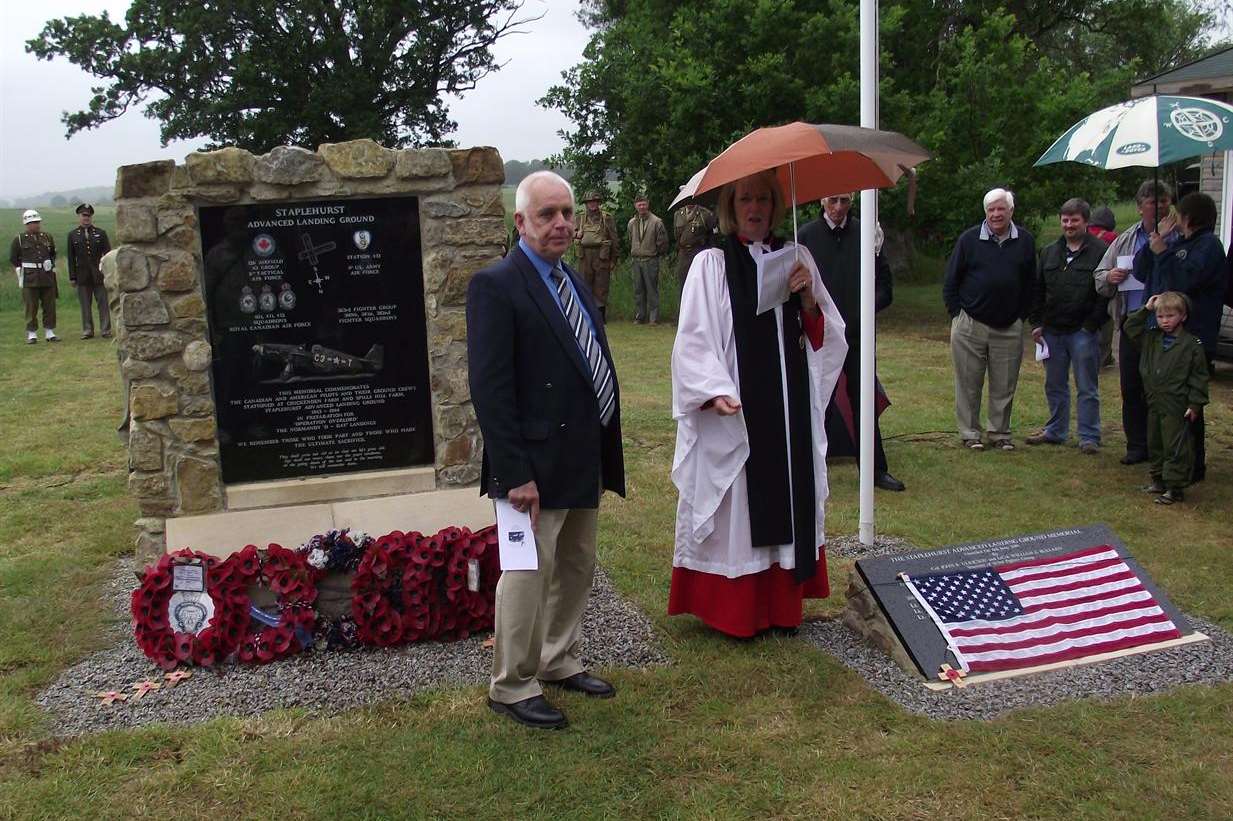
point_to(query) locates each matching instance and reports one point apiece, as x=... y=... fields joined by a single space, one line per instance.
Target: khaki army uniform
x=596 y=241
x=87 y=245
x=35 y=256
x=648 y=241
x=694 y=228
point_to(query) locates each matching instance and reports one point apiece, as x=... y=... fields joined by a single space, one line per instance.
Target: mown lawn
x=730 y=730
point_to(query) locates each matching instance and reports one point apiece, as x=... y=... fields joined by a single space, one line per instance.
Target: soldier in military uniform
x=86 y=246
x=694 y=228
x=597 y=241
x=33 y=255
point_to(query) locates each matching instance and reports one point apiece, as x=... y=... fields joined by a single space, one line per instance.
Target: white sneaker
x=31 y=338
x=50 y=333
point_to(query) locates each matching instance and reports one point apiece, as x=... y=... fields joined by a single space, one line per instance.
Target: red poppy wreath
x=471 y=578
x=190 y=608
x=392 y=589
x=289 y=628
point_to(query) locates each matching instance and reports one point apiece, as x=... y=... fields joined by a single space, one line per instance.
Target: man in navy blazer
x=545 y=393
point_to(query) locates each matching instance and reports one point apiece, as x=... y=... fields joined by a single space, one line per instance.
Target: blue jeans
x=1082 y=350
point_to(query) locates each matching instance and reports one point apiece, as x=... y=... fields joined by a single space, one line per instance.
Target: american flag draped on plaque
x=1042 y=611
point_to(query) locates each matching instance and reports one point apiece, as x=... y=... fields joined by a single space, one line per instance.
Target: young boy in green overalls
x=1174 y=372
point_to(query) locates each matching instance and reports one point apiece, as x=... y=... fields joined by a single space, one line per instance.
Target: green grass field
x=767 y=728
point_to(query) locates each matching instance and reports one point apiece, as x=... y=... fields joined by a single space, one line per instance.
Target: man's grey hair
x=522 y=195
x=996 y=194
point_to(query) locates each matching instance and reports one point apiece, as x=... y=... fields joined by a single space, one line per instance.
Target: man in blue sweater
x=988 y=292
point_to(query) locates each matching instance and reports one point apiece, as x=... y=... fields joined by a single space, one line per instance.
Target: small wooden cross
x=140 y=688
x=955 y=677
x=111 y=696
x=175 y=677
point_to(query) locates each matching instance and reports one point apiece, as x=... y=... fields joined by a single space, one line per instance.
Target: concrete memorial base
x=884 y=610
x=291 y=525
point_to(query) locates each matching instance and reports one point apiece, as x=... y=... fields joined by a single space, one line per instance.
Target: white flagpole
x=869 y=225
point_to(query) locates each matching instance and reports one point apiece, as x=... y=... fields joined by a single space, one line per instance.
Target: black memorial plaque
x=921 y=637
x=316 y=316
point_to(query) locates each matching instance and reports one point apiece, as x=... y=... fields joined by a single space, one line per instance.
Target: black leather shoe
x=1134 y=458
x=888 y=482
x=532 y=712
x=586 y=684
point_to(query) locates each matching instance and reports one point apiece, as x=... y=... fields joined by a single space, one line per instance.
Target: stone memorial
x=292 y=340
x=975 y=581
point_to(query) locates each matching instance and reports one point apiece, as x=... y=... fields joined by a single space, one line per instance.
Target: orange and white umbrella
x=811 y=161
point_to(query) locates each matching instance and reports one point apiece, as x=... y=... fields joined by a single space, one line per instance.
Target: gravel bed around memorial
x=850 y=547
x=615 y=634
x=1208 y=662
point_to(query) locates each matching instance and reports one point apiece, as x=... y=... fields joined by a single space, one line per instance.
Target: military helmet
x=30 y=216
x=592 y=195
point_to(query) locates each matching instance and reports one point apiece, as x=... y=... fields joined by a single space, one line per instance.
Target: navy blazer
x=532 y=391
x=1195 y=267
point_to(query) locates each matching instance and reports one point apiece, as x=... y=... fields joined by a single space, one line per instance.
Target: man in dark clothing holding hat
x=597 y=241
x=87 y=244
x=33 y=256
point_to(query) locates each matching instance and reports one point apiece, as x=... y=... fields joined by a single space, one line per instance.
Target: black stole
x=773 y=496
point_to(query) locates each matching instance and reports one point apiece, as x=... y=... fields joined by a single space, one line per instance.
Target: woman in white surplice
x=749 y=395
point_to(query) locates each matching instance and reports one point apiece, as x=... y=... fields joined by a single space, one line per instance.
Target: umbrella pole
x=792 y=183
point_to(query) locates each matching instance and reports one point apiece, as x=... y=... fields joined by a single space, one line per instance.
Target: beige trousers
x=978 y=349
x=539 y=612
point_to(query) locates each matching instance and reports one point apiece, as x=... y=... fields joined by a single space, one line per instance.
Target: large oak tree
x=260 y=73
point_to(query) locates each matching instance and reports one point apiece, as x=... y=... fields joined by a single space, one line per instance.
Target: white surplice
x=708 y=469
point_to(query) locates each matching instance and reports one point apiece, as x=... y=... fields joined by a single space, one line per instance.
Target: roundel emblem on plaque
x=263 y=245
x=1196 y=124
x=286 y=297
x=362 y=240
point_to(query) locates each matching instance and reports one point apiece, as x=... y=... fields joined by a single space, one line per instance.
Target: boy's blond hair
x=1172 y=300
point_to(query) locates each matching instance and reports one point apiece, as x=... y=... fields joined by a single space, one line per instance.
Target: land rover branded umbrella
x=1147 y=132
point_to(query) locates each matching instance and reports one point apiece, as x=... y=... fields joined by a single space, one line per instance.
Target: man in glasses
x=835 y=243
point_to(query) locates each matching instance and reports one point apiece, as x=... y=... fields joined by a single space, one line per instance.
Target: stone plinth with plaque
x=292 y=339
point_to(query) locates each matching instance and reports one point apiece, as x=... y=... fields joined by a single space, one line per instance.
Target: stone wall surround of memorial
x=296 y=314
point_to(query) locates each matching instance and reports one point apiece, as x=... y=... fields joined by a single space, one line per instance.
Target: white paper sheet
x=1042 y=351
x=1127 y=263
x=515 y=538
x=773 y=270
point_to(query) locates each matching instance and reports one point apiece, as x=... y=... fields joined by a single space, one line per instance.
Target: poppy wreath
x=473 y=610
x=392 y=589
x=288 y=575
x=220 y=637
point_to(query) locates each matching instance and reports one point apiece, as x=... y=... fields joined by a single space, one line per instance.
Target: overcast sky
x=36 y=158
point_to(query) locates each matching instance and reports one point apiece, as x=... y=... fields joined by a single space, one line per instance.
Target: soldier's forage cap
x=592 y=195
x=85 y=208
x=30 y=216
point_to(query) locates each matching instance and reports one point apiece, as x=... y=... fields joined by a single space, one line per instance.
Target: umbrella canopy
x=815 y=161
x=1148 y=132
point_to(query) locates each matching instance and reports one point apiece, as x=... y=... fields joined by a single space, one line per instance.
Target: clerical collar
x=744 y=240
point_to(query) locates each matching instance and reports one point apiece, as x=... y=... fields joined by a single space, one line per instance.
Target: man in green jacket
x=33 y=256
x=1065 y=317
x=1174 y=370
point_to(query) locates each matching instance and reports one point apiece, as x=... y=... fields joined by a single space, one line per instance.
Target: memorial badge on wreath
x=190 y=608
x=335 y=556
x=392 y=595
x=285 y=627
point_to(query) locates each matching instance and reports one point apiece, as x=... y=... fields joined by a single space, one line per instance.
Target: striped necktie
x=601 y=374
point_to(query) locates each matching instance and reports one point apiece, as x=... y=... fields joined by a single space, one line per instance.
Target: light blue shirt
x=544 y=268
